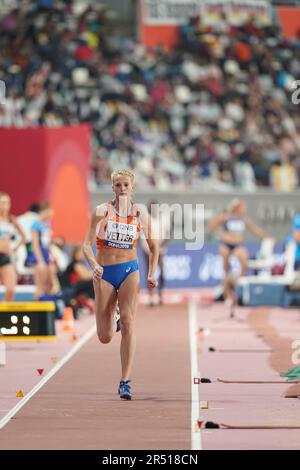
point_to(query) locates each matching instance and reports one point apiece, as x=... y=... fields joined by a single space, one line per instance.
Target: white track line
x=196 y=436
x=81 y=342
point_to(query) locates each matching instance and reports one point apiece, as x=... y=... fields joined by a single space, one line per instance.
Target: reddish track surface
x=260 y=404
x=24 y=358
x=79 y=407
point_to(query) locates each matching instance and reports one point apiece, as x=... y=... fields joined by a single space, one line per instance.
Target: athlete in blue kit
x=116 y=226
x=230 y=227
x=39 y=256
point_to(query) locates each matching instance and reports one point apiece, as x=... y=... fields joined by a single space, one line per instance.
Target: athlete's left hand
x=152 y=282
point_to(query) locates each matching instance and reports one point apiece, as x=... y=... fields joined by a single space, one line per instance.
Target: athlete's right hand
x=97 y=272
x=152 y=283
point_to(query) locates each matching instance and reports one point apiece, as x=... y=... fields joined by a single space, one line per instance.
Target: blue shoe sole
x=124 y=390
x=125 y=397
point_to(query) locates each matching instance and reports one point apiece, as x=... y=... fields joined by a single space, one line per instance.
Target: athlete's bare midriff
x=232 y=238
x=110 y=256
x=5 y=246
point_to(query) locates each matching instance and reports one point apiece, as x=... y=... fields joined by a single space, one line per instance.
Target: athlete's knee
x=127 y=325
x=104 y=337
x=225 y=258
x=243 y=259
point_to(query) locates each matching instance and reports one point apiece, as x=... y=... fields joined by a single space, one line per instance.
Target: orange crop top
x=118 y=231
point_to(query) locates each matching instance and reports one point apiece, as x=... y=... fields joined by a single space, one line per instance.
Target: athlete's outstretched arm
x=257 y=231
x=89 y=240
x=153 y=247
x=217 y=221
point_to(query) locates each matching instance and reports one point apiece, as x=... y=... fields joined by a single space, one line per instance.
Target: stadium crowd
x=216 y=110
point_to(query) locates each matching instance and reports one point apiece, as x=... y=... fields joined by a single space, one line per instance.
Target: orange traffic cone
x=68 y=319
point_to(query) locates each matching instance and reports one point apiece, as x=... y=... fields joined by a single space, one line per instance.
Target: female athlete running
x=116 y=226
x=8 y=230
x=234 y=221
x=39 y=256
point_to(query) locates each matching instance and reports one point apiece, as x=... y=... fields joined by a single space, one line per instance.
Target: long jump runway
x=243 y=357
x=78 y=408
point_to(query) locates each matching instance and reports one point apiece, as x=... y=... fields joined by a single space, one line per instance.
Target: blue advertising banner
x=197 y=268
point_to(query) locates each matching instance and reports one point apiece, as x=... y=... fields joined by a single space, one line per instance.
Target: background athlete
x=161 y=229
x=230 y=227
x=116 y=226
x=39 y=256
x=9 y=229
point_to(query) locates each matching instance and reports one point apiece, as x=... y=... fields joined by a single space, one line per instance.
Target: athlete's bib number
x=120 y=235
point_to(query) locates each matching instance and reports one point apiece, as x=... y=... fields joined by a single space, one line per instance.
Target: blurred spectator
x=77 y=281
x=283 y=176
x=176 y=117
x=244 y=174
x=59 y=253
x=77 y=275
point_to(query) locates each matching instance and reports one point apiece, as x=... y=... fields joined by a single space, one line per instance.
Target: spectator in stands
x=244 y=173
x=283 y=176
x=58 y=250
x=78 y=275
x=225 y=87
x=79 y=279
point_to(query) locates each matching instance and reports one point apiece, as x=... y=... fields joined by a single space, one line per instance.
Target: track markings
x=195 y=408
x=81 y=342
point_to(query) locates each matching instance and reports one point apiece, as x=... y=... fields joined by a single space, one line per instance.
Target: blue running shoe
x=125 y=390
